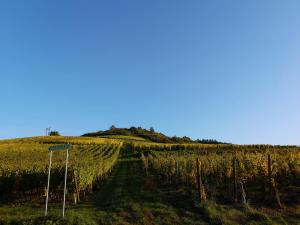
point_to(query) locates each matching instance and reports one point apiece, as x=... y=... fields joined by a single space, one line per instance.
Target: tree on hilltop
x=54 y=133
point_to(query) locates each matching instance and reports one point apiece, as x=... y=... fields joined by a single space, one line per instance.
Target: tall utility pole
x=48 y=130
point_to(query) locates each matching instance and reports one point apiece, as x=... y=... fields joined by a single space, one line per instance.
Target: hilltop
x=139 y=133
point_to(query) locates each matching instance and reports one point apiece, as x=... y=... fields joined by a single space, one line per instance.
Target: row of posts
x=273 y=192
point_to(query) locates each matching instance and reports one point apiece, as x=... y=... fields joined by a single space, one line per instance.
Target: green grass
x=125 y=138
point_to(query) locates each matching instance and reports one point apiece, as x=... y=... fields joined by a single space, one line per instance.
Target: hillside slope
x=150 y=135
x=129 y=180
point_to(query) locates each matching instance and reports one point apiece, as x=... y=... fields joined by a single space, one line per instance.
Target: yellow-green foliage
x=179 y=162
x=60 y=139
x=143 y=146
x=90 y=158
x=250 y=165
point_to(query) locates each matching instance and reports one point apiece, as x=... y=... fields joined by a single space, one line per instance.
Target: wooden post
x=273 y=191
x=177 y=172
x=76 y=186
x=202 y=189
x=91 y=187
x=276 y=194
x=75 y=198
x=234 y=180
x=244 y=201
x=198 y=179
x=269 y=175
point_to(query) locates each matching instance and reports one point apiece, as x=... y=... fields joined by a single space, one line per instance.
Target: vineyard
x=24 y=163
x=254 y=174
x=257 y=175
x=122 y=179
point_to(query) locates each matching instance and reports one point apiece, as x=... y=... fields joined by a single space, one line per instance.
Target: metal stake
x=47 y=194
x=64 y=203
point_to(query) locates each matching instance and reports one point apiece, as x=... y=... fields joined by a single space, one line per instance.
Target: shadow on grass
x=130 y=198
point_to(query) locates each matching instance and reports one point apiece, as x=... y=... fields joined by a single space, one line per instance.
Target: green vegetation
x=121 y=179
x=251 y=171
x=54 y=133
x=125 y=138
x=24 y=162
x=149 y=135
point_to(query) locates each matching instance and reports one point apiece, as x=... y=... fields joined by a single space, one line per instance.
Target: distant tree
x=150 y=134
x=54 y=133
x=186 y=139
x=133 y=130
x=152 y=130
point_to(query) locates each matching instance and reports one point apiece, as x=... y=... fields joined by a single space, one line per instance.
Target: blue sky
x=228 y=70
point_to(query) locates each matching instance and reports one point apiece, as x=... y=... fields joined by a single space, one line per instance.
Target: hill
x=148 y=135
x=132 y=180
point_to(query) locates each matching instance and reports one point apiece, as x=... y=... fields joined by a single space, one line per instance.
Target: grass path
x=127 y=199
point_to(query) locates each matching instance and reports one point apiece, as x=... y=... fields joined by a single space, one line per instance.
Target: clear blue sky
x=228 y=70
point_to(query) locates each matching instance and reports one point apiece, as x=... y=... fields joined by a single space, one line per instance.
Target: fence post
x=76 y=186
x=273 y=191
x=244 y=201
x=234 y=180
x=199 y=181
x=269 y=175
